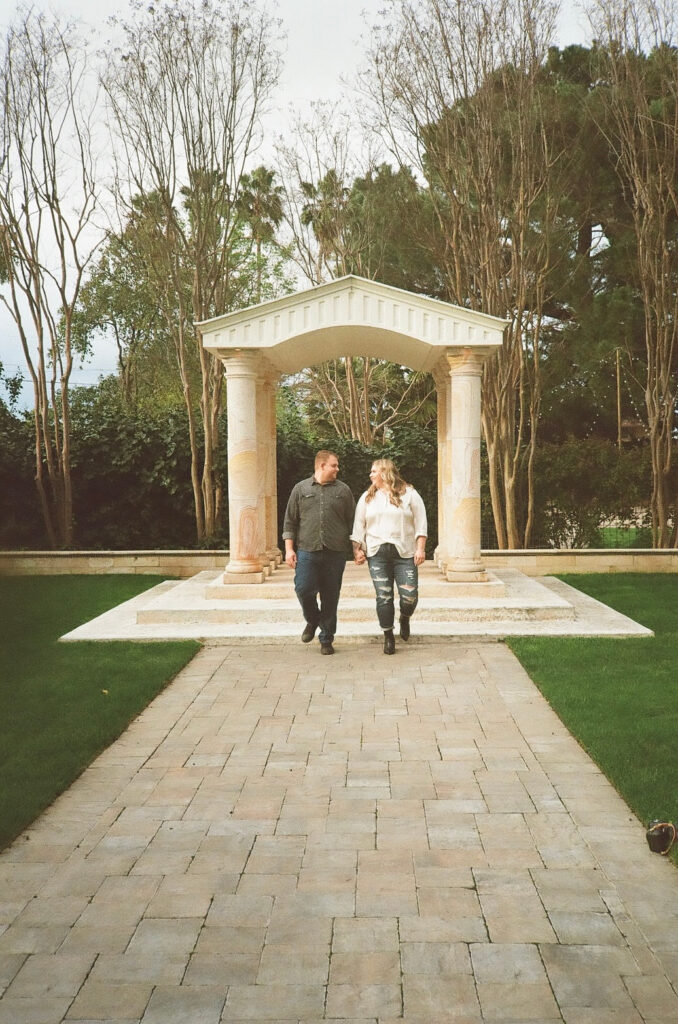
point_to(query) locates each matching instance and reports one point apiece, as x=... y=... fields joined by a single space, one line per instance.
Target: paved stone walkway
x=287 y=837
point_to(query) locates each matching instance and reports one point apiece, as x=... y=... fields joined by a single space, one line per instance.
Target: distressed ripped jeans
x=386 y=568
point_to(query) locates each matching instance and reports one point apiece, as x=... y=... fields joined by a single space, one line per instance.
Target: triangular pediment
x=351 y=316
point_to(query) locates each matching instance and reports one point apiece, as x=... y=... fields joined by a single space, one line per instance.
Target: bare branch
x=49 y=200
x=186 y=91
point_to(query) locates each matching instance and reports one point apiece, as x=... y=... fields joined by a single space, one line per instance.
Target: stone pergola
x=350 y=316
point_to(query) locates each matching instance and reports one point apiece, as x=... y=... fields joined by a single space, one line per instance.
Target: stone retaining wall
x=183 y=564
x=549 y=562
x=147 y=563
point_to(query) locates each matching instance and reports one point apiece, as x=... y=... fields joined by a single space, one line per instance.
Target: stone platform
x=203 y=608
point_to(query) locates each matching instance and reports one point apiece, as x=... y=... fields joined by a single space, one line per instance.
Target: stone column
x=267 y=460
x=245 y=541
x=441 y=376
x=465 y=564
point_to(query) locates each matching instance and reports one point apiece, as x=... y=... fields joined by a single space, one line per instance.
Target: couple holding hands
x=387 y=529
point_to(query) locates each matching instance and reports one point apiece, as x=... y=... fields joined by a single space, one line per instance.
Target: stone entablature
x=348 y=316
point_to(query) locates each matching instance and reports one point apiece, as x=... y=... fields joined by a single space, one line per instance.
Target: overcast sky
x=323 y=38
x=323 y=45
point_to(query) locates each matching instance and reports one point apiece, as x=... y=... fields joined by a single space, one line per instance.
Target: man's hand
x=290 y=556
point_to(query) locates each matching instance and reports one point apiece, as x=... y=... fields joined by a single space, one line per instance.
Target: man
x=316 y=530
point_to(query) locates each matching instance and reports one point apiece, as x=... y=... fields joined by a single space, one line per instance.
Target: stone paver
x=284 y=837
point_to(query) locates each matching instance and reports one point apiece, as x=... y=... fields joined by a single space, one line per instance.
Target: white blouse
x=380 y=522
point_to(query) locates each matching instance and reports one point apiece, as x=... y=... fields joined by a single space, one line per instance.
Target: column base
x=274 y=556
x=441 y=559
x=238 y=572
x=465 y=576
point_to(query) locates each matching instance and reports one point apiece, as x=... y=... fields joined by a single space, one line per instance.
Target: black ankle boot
x=389 y=642
x=405 y=627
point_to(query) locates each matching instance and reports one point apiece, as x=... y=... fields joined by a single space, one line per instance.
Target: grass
x=625 y=537
x=619 y=698
x=62 y=704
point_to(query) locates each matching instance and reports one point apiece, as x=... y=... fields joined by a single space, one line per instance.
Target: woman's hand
x=359 y=555
x=420 y=553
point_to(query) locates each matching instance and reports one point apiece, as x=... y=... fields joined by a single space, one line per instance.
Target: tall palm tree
x=326 y=210
x=260 y=204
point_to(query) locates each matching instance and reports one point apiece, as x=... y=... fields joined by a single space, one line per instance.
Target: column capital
x=468 y=360
x=242 y=362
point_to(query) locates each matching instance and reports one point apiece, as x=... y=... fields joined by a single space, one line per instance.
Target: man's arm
x=290 y=553
x=290 y=527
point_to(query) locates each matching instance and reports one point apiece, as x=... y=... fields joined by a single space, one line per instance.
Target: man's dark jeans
x=387 y=567
x=319 y=574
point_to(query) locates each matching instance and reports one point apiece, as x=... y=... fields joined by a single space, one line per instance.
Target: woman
x=389 y=531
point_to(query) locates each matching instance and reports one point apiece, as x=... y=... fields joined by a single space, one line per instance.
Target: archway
x=348 y=317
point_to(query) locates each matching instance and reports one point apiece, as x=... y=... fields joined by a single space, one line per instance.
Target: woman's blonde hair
x=394 y=482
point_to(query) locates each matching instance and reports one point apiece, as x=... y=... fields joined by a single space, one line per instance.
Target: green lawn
x=629 y=537
x=62 y=704
x=620 y=697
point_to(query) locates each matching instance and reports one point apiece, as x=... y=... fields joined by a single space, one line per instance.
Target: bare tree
x=333 y=235
x=639 y=90
x=187 y=89
x=456 y=91
x=48 y=201
x=316 y=170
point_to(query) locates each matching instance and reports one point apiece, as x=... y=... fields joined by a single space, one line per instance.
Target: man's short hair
x=323 y=456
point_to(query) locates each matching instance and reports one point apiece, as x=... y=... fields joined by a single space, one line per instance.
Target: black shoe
x=389 y=642
x=308 y=634
x=404 y=627
x=326 y=648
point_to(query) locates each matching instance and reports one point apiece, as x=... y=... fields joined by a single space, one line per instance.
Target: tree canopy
x=534 y=183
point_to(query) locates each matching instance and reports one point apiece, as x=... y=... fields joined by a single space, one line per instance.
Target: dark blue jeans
x=319 y=575
x=386 y=568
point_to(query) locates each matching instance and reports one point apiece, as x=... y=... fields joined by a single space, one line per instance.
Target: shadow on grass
x=63 y=704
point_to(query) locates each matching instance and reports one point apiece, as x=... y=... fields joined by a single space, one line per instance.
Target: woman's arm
x=418 y=515
x=420 y=527
x=420 y=551
x=358 y=532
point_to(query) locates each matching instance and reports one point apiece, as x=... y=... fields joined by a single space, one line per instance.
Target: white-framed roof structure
x=351 y=316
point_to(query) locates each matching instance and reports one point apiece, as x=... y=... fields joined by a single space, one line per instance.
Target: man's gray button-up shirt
x=319 y=515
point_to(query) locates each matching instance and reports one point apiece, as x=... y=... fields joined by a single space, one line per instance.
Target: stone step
x=355 y=610
x=356 y=583
x=577 y=615
x=243 y=607
x=279 y=590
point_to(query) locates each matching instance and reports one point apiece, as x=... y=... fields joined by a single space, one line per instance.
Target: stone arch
x=351 y=316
